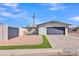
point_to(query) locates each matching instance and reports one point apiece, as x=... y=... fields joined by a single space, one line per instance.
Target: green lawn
x=45 y=44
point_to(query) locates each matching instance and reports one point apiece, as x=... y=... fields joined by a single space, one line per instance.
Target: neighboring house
x=31 y=30
x=53 y=28
x=76 y=29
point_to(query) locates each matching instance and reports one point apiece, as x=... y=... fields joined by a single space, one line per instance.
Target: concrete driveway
x=60 y=41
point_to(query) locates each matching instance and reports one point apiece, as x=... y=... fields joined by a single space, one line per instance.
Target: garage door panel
x=55 y=30
x=13 y=32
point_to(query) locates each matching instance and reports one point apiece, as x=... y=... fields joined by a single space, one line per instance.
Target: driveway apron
x=61 y=41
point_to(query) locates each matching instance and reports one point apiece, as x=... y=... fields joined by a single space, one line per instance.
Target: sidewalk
x=29 y=52
x=39 y=52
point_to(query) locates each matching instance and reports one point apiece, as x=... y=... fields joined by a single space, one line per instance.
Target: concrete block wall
x=22 y=31
x=66 y=31
x=3 y=32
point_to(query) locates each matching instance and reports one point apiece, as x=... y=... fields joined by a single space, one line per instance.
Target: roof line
x=54 y=22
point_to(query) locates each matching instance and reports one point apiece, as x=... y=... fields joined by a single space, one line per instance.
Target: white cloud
x=12 y=14
x=13 y=5
x=56 y=6
x=75 y=18
x=7 y=14
x=17 y=10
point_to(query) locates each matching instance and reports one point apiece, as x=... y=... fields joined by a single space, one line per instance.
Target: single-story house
x=53 y=28
x=50 y=28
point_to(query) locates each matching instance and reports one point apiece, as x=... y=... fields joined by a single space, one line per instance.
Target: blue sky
x=20 y=14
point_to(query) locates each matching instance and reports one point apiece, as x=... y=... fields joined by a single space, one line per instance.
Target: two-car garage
x=53 y=28
x=55 y=31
